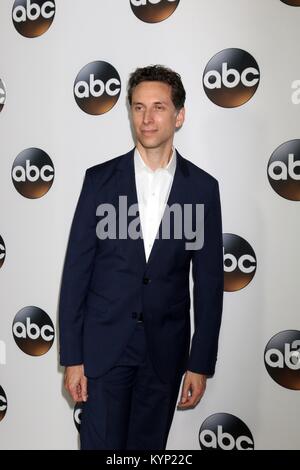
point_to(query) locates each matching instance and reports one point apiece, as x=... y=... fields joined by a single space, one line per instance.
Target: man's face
x=154 y=116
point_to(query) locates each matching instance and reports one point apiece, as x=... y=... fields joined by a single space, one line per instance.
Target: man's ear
x=180 y=118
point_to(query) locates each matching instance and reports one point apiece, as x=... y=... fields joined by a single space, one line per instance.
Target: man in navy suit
x=141 y=220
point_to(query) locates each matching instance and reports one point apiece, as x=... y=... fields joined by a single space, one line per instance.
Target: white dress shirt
x=153 y=188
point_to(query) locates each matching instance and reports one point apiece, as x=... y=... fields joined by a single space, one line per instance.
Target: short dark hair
x=158 y=73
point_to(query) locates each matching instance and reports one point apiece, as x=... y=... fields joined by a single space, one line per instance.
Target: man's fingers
x=187 y=402
x=83 y=389
x=191 y=399
x=185 y=392
x=74 y=391
x=193 y=389
x=75 y=382
x=190 y=403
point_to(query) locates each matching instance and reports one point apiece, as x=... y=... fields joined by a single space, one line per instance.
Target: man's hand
x=193 y=389
x=76 y=383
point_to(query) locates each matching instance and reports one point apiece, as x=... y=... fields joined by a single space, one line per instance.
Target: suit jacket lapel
x=127 y=187
x=176 y=195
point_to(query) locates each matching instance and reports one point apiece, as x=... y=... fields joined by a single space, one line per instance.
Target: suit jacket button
x=146 y=280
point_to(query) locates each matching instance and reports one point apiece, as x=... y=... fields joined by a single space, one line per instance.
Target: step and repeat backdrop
x=64 y=67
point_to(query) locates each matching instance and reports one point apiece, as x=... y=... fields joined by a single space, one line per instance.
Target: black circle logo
x=284 y=170
x=32 y=173
x=223 y=431
x=77 y=415
x=97 y=87
x=33 y=18
x=239 y=262
x=33 y=331
x=2 y=94
x=292 y=3
x=231 y=78
x=282 y=359
x=153 y=11
x=2 y=251
x=3 y=403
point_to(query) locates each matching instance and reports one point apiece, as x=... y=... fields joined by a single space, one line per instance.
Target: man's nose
x=148 y=116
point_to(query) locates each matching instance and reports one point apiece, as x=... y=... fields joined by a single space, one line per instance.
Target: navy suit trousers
x=129 y=407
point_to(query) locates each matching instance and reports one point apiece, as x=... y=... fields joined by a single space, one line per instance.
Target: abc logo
x=153 y=11
x=77 y=415
x=292 y=3
x=231 y=78
x=239 y=262
x=3 y=403
x=97 y=87
x=282 y=359
x=2 y=251
x=33 y=18
x=296 y=94
x=284 y=170
x=223 y=431
x=33 y=331
x=32 y=173
x=2 y=94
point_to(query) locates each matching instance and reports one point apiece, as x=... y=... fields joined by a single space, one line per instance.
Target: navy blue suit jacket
x=105 y=282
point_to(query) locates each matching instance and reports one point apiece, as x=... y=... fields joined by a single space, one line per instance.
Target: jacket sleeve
x=208 y=278
x=77 y=272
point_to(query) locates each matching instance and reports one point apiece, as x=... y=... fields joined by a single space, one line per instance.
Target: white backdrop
x=233 y=144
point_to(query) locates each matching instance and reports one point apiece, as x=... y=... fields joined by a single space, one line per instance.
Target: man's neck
x=155 y=158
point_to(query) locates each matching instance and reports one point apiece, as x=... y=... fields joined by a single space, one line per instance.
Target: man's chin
x=149 y=143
